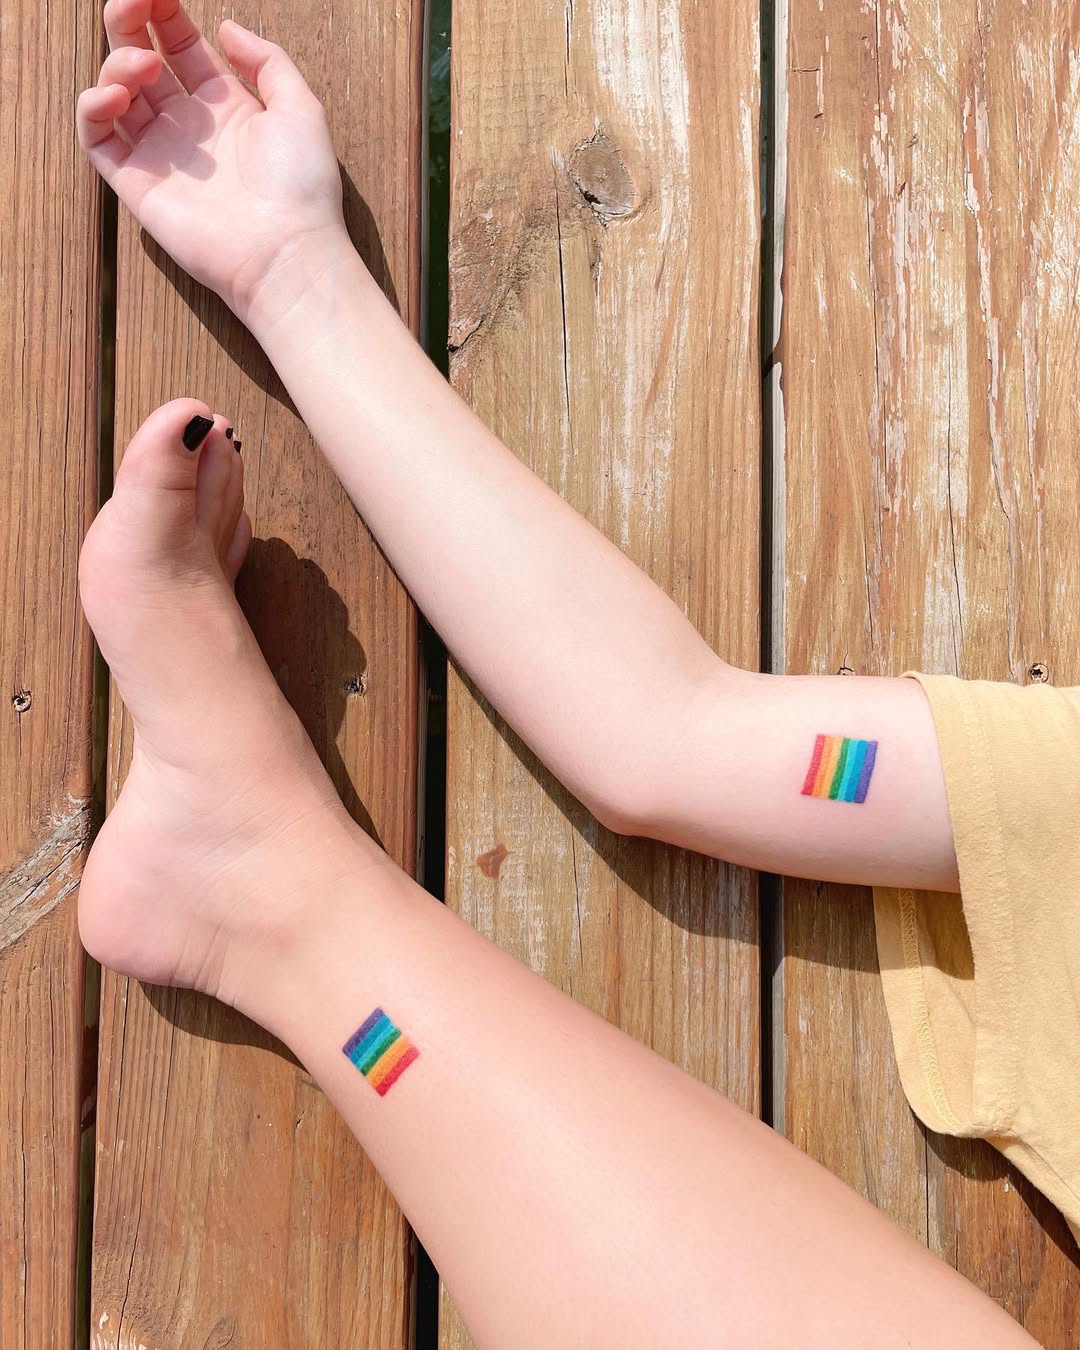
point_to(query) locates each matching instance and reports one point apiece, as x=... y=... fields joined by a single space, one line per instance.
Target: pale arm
x=594 y=666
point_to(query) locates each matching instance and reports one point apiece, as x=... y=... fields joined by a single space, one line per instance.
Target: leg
x=573 y=1188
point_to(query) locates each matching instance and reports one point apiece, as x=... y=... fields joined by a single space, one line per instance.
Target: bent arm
x=591 y=663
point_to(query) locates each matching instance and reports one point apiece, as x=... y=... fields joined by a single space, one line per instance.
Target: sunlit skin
x=573 y=1188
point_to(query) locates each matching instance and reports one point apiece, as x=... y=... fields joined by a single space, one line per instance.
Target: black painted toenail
x=228 y=433
x=197 y=431
x=239 y=446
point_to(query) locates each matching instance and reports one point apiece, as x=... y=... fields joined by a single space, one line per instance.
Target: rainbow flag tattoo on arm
x=840 y=769
x=380 y=1051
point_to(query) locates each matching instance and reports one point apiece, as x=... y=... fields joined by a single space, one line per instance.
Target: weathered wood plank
x=604 y=311
x=232 y=1206
x=929 y=376
x=49 y=289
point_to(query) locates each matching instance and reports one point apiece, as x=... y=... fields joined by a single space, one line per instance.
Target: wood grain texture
x=929 y=360
x=604 y=320
x=232 y=1205
x=49 y=267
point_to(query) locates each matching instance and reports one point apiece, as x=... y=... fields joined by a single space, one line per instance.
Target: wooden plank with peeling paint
x=49 y=352
x=230 y=1197
x=929 y=369
x=604 y=321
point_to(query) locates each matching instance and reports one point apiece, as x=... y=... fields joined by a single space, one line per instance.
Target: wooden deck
x=782 y=294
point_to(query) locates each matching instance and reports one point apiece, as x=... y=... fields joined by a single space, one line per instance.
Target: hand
x=230 y=186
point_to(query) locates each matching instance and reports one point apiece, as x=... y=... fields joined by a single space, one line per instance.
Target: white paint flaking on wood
x=641 y=65
x=647 y=78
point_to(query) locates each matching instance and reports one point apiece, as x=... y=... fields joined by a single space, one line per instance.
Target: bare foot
x=226 y=801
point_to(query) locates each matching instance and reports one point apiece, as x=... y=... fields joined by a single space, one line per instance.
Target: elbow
x=650 y=786
x=615 y=819
x=622 y=807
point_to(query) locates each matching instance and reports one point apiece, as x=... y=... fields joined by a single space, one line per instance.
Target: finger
x=191 y=58
x=96 y=116
x=137 y=118
x=125 y=24
x=134 y=68
x=266 y=66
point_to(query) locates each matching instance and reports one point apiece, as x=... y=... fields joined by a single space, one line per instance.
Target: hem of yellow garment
x=988 y=922
x=916 y=1053
x=914 y=1042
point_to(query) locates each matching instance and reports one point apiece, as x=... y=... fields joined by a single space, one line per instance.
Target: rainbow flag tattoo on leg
x=840 y=769
x=380 y=1051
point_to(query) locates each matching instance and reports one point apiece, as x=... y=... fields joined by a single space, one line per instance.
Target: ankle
x=332 y=877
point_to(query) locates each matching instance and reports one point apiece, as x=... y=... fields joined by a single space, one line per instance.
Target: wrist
x=301 y=274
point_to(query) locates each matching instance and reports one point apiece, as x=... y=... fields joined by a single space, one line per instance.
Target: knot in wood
x=845 y=670
x=355 y=686
x=22 y=701
x=598 y=171
x=1039 y=672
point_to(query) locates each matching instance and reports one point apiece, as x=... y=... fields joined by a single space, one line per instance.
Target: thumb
x=267 y=67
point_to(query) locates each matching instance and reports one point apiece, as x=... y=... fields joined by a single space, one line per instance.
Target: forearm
x=588 y=660
x=572 y=1187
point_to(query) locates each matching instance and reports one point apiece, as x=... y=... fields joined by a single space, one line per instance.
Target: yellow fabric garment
x=983 y=989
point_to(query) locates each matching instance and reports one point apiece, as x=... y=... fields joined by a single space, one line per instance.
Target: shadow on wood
x=302 y=626
x=199 y=1015
x=642 y=865
x=234 y=340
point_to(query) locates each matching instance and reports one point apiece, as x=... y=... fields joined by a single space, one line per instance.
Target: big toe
x=150 y=521
x=156 y=484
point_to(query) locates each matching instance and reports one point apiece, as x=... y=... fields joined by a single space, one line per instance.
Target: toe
x=155 y=484
x=165 y=451
x=218 y=507
x=238 y=547
x=234 y=499
x=147 y=533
